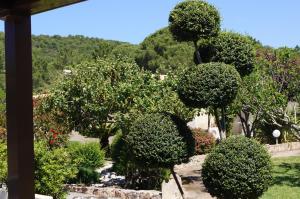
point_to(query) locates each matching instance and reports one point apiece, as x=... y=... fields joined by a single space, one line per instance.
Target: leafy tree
x=210 y=85
x=91 y=97
x=193 y=20
x=257 y=101
x=283 y=65
x=101 y=96
x=160 y=53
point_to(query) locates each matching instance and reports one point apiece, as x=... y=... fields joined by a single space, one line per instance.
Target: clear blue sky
x=273 y=22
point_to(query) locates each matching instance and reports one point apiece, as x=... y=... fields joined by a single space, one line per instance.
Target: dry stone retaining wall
x=283 y=147
x=115 y=192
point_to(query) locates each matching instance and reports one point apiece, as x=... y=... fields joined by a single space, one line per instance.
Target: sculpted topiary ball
x=238 y=168
x=194 y=19
x=235 y=49
x=160 y=140
x=211 y=84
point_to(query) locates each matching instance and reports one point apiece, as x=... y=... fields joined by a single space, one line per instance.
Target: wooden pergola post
x=18 y=65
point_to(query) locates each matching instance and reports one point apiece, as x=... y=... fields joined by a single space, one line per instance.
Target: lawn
x=286 y=175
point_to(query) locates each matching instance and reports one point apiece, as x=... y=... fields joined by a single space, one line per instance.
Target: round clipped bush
x=194 y=19
x=204 y=142
x=238 y=168
x=232 y=48
x=160 y=140
x=211 y=84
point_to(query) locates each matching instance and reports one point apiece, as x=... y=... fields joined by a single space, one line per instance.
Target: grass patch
x=286 y=184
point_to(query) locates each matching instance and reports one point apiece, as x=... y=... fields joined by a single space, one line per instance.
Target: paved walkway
x=191 y=175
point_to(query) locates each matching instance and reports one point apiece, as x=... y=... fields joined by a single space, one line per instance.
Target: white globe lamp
x=276 y=134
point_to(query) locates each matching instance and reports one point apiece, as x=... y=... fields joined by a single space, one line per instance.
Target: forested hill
x=52 y=54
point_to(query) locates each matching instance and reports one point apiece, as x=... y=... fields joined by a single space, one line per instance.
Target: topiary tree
x=230 y=48
x=210 y=85
x=160 y=141
x=238 y=168
x=193 y=20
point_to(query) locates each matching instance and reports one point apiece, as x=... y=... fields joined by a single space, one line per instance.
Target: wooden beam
x=19 y=106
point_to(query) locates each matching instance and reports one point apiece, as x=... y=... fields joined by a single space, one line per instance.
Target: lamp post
x=276 y=134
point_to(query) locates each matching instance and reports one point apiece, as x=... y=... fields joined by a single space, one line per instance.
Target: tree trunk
x=177 y=182
x=208 y=120
x=223 y=130
x=218 y=122
x=104 y=143
x=197 y=54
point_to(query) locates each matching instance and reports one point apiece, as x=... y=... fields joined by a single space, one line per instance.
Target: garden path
x=190 y=174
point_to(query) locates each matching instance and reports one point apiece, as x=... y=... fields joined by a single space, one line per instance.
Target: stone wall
x=115 y=192
x=283 y=147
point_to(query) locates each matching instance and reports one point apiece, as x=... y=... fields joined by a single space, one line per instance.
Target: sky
x=273 y=22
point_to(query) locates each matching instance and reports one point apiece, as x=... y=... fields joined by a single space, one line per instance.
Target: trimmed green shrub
x=230 y=48
x=136 y=177
x=53 y=168
x=238 y=168
x=160 y=140
x=211 y=84
x=204 y=142
x=3 y=163
x=88 y=157
x=194 y=19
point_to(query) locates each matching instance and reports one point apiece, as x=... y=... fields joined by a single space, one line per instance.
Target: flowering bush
x=47 y=127
x=204 y=142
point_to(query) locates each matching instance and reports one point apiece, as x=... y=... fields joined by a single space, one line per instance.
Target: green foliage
x=231 y=48
x=122 y=90
x=119 y=154
x=53 y=168
x=162 y=54
x=258 y=97
x=212 y=84
x=52 y=54
x=87 y=176
x=237 y=168
x=137 y=177
x=87 y=158
x=204 y=142
x=3 y=162
x=87 y=155
x=94 y=94
x=159 y=140
x=193 y=20
x=283 y=65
